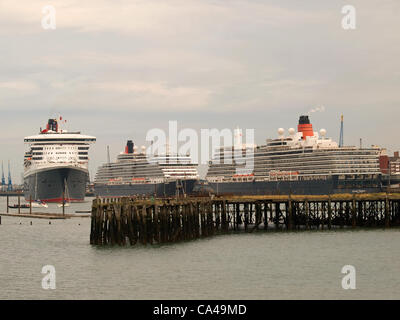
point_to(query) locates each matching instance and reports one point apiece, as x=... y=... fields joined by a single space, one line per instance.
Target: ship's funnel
x=305 y=127
x=129 y=147
x=52 y=125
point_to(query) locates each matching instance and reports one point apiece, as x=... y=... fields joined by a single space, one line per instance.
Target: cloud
x=132 y=95
x=206 y=63
x=317 y=109
x=153 y=16
x=18 y=87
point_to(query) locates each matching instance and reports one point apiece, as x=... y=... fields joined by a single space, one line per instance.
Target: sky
x=116 y=69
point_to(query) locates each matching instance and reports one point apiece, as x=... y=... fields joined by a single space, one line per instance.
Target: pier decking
x=153 y=221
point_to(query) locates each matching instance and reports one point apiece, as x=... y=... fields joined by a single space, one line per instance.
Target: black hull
x=49 y=185
x=192 y=187
x=309 y=187
x=169 y=189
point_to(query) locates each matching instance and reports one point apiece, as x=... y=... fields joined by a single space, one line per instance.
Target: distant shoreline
x=17 y=193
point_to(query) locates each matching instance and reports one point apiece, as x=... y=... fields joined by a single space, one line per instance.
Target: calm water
x=273 y=265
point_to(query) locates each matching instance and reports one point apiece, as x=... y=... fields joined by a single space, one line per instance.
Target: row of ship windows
x=146 y=165
x=156 y=170
x=58 y=148
x=307 y=153
x=261 y=159
x=303 y=169
x=299 y=163
x=58 y=140
x=41 y=158
x=41 y=153
x=261 y=174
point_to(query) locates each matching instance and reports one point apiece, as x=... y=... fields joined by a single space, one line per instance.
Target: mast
x=36 y=186
x=341 y=142
x=108 y=155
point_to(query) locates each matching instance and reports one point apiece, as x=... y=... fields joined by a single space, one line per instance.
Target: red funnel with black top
x=305 y=127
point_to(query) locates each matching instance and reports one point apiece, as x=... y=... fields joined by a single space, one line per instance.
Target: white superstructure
x=301 y=155
x=134 y=167
x=54 y=148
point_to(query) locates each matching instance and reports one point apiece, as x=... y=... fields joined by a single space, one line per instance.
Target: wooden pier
x=133 y=221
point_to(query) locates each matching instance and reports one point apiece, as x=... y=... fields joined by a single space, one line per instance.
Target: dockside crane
x=3 y=180
x=9 y=186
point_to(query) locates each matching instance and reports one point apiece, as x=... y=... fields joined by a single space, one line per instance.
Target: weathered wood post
x=217 y=215
x=184 y=222
x=197 y=218
x=237 y=215
x=341 y=214
x=156 y=218
x=250 y=220
x=265 y=216
x=307 y=212
x=128 y=209
x=150 y=224
x=277 y=213
x=92 y=220
x=201 y=218
x=210 y=222
x=102 y=230
x=137 y=223
x=124 y=221
x=112 y=221
x=189 y=228
x=224 y=219
x=19 y=203
x=387 y=212
x=329 y=212
x=290 y=214
x=353 y=212
x=63 y=203
x=323 y=208
x=143 y=230
x=98 y=226
x=246 y=215
x=361 y=214
x=8 y=202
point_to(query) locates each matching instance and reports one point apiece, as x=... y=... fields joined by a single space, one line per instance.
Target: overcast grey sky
x=116 y=69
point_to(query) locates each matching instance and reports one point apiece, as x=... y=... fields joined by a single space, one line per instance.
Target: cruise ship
x=135 y=174
x=56 y=165
x=303 y=162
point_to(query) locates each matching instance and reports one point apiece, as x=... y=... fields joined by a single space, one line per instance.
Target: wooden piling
x=307 y=212
x=63 y=203
x=387 y=212
x=353 y=213
x=329 y=213
x=290 y=218
x=121 y=221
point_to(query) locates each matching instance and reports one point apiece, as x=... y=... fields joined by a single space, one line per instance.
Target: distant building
x=394 y=163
